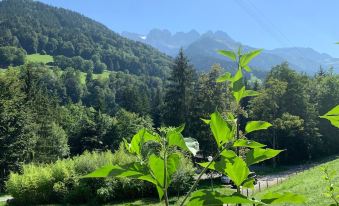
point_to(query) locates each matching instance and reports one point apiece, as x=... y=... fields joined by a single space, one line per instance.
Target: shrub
x=61 y=182
x=183 y=179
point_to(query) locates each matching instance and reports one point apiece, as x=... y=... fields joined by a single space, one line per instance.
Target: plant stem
x=199 y=177
x=165 y=176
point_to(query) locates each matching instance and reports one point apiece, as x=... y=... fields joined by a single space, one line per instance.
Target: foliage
x=179 y=93
x=208 y=97
x=332 y=116
x=60 y=182
x=331 y=189
x=39 y=28
x=158 y=168
x=285 y=101
x=226 y=133
x=11 y=56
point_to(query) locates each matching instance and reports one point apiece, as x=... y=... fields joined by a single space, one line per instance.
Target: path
x=5 y=198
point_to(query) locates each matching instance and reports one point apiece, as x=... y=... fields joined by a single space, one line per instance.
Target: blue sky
x=260 y=23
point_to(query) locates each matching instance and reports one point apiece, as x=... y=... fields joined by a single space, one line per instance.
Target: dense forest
x=59 y=110
x=38 y=28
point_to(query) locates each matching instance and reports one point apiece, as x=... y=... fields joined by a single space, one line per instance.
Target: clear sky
x=260 y=23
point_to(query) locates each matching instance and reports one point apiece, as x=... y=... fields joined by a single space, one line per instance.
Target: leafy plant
x=333 y=117
x=160 y=166
x=230 y=140
x=331 y=189
x=157 y=168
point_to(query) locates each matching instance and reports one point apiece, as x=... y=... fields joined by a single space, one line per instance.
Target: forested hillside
x=73 y=94
x=38 y=28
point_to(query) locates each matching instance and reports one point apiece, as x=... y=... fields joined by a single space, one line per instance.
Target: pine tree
x=179 y=92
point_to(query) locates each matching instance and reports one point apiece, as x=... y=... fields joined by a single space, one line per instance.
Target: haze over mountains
x=201 y=49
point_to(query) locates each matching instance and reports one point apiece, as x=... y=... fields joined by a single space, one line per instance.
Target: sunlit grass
x=39 y=58
x=308 y=183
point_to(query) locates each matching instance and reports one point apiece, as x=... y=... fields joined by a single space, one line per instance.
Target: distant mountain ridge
x=201 y=49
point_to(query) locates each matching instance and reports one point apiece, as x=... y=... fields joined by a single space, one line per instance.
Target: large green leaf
x=238 y=87
x=333 y=116
x=247 y=143
x=256 y=125
x=257 y=155
x=227 y=156
x=224 y=77
x=156 y=165
x=283 y=198
x=130 y=170
x=222 y=131
x=237 y=171
x=246 y=58
x=173 y=162
x=175 y=138
x=230 y=54
x=139 y=139
x=208 y=197
x=133 y=170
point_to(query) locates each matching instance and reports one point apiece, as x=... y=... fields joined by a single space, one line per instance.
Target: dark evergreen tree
x=179 y=92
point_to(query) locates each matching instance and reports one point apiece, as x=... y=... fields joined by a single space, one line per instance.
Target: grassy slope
x=39 y=58
x=309 y=183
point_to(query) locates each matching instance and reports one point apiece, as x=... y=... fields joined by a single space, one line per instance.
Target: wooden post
x=259 y=187
x=266 y=183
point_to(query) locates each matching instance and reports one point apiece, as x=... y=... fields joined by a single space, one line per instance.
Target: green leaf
x=238 y=95
x=247 y=68
x=238 y=85
x=227 y=156
x=192 y=145
x=224 y=77
x=247 y=143
x=237 y=171
x=206 y=121
x=139 y=139
x=173 y=162
x=230 y=54
x=246 y=58
x=133 y=170
x=249 y=183
x=256 y=125
x=175 y=138
x=250 y=93
x=257 y=155
x=156 y=165
x=332 y=116
x=222 y=131
x=160 y=192
x=207 y=197
x=286 y=198
x=115 y=170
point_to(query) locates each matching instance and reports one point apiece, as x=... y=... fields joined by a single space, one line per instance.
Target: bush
x=60 y=182
x=183 y=178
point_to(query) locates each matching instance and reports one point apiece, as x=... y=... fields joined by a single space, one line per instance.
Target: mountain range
x=201 y=50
